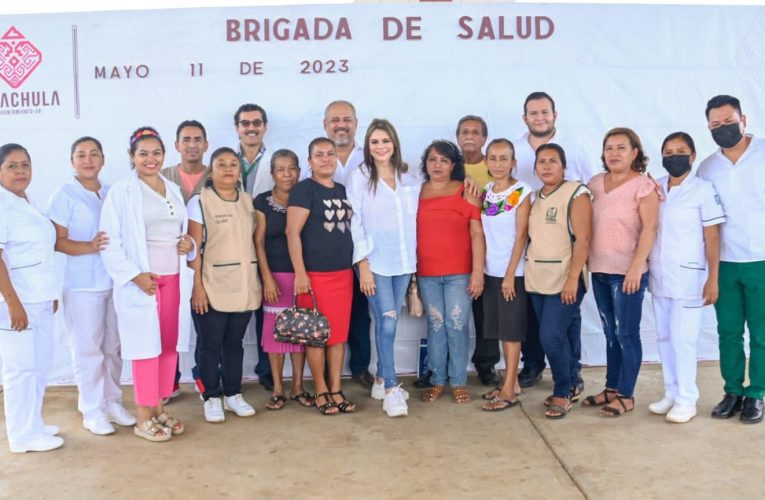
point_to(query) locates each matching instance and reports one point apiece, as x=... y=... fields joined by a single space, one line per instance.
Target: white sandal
x=170 y=422
x=152 y=431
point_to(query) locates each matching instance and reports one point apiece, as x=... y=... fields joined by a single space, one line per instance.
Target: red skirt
x=334 y=296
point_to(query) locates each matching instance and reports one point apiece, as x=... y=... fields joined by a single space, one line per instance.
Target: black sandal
x=611 y=412
x=491 y=394
x=345 y=405
x=303 y=399
x=593 y=401
x=324 y=409
x=276 y=402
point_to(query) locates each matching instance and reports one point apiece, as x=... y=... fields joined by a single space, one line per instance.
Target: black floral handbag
x=299 y=325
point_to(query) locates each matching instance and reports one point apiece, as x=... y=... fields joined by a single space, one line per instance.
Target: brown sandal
x=602 y=398
x=461 y=396
x=433 y=394
x=611 y=412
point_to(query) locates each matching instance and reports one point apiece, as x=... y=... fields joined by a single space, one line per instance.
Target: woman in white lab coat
x=91 y=323
x=145 y=219
x=28 y=293
x=683 y=268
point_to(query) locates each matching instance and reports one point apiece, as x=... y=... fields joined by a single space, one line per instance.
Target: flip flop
x=489 y=395
x=276 y=403
x=303 y=399
x=497 y=400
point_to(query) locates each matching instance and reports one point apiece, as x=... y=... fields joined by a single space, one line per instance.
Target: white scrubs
x=91 y=321
x=27 y=239
x=678 y=272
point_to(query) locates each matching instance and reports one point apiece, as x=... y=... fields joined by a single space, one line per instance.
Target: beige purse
x=413 y=300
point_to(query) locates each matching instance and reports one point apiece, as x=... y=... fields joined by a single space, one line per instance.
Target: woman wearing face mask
x=146 y=221
x=683 y=268
x=91 y=322
x=27 y=304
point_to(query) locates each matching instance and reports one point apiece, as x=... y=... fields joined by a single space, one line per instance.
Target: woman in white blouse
x=146 y=221
x=91 y=323
x=384 y=196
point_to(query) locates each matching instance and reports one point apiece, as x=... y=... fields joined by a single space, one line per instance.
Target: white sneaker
x=40 y=443
x=214 y=410
x=238 y=405
x=662 y=407
x=378 y=389
x=119 y=415
x=680 y=414
x=99 y=426
x=394 y=403
x=51 y=430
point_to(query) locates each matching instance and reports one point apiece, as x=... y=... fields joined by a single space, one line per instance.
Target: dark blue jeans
x=263 y=368
x=195 y=370
x=533 y=354
x=561 y=342
x=620 y=314
x=359 y=336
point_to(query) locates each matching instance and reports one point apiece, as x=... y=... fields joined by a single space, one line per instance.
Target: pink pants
x=153 y=378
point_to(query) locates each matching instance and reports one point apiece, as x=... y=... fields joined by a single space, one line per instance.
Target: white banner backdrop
x=651 y=68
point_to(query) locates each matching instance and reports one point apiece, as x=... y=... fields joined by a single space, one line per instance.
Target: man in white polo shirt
x=540 y=116
x=737 y=171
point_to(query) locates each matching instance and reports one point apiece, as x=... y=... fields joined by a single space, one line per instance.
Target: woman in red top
x=450 y=260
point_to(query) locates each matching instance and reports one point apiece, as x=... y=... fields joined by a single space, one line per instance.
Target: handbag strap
x=313 y=298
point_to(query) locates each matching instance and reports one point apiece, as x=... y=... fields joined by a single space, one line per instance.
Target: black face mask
x=677 y=165
x=727 y=136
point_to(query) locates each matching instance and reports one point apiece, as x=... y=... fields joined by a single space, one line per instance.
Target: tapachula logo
x=18 y=57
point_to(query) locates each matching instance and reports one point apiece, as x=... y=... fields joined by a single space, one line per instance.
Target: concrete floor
x=442 y=450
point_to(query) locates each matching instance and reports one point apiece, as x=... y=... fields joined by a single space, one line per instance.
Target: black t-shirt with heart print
x=326 y=236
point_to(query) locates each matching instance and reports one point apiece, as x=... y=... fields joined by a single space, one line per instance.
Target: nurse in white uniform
x=28 y=300
x=145 y=219
x=91 y=322
x=683 y=268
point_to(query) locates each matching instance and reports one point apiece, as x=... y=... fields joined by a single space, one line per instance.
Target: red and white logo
x=18 y=57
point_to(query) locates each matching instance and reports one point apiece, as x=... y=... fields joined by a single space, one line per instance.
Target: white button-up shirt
x=27 y=239
x=741 y=188
x=79 y=210
x=678 y=261
x=342 y=172
x=384 y=222
x=579 y=167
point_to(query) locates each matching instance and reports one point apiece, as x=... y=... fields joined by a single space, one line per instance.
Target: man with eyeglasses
x=251 y=124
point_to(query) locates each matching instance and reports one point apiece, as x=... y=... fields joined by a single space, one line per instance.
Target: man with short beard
x=540 y=116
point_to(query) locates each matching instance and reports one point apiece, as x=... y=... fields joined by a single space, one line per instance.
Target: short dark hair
x=641 y=160
x=141 y=134
x=535 y=96
x=190 y=123
x=721 y=100
x=283 y=153
x=319 y=140
x=86 y=138
x=451 y=151
x=250 y=107
x=552 y=147
x=473 y=118
x=9 y=148
x=682 y=136
x=501 y=140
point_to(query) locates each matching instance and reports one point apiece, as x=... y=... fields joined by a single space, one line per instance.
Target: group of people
x=509 y=236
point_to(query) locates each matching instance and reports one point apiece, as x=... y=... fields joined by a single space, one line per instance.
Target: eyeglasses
x=247 y=123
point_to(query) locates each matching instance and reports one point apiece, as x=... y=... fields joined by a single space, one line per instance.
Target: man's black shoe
x=528 y=377
x=365 y=379
x=751 y=412
x=423 y=382
x=728 y=407
x=267 y=381
x=489 y=378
